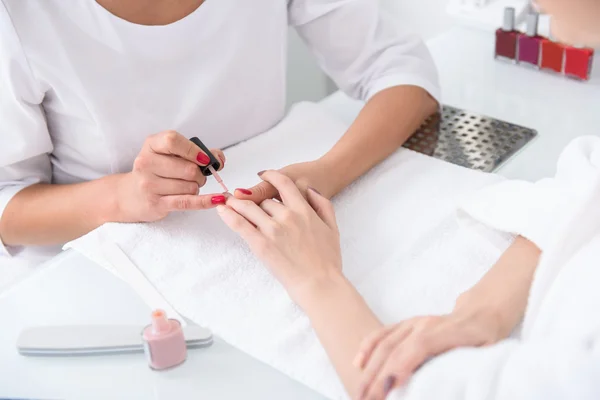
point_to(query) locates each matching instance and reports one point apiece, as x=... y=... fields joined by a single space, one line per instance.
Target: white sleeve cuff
x=539 y=211
x=6 y=194
x=389 y=81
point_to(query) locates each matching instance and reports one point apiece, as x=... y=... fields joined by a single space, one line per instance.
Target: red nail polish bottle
x=578 y=62
x=553 y=56
x=506 y=37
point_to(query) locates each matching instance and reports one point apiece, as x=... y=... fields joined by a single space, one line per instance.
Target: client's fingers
x=369 y=343
x=400 y=364
x=272 y=207
x=322 y=206
x=239 y=224
x=389 y=377
x=288 y=191
x=380 y=355
x=251 y=211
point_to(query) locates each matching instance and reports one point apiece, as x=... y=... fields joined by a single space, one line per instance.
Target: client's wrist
x=488 y=316
x=312 y=290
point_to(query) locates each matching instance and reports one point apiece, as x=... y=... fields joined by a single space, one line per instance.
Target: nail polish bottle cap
x=160 y=323
x=532 y=24
x=509 y=19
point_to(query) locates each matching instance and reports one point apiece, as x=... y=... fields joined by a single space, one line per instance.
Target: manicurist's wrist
x=326 y=165
x=336 y=172
x=108 y=206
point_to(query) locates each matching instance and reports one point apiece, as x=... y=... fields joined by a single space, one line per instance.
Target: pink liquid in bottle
x=164 y=343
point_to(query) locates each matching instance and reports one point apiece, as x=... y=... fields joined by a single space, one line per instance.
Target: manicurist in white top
x=98 y=99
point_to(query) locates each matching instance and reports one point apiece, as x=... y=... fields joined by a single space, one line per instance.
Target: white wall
x=428 y=18
x=306 y=81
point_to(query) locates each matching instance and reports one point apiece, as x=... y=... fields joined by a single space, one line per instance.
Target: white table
x=473 y=80
x=72 y=290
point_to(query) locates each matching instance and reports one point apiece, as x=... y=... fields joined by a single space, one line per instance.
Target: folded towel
x=402 y=248
x=558 y=354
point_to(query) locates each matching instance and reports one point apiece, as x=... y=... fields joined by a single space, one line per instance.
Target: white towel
x=402 y=248
x=558 y=354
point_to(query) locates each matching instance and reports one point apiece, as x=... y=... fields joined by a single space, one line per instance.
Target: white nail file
x=96 y=340
x=136 y=279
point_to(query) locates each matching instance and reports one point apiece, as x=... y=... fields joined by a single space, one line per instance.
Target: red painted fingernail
x=261 y=172
x=245 y=191
x=389 y=382
x=218 y=199
x=203 y=158
x=222 y=160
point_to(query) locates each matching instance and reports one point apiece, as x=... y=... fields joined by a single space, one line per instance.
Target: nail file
x=137 y=280
x=81 y=340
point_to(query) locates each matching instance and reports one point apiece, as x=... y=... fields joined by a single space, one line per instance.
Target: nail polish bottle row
x=531 y=49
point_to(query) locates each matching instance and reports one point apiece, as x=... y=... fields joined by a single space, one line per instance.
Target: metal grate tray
x=469 y=140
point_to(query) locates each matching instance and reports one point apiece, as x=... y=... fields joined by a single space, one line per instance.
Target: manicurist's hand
x=296 y=238
x=389 y=356
x=307 y=174
x=165 y=177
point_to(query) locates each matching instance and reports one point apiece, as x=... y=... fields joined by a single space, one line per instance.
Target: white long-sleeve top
x=557 y=354
x=81 y=89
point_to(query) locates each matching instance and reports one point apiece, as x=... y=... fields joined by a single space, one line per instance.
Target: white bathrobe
x=557 y=355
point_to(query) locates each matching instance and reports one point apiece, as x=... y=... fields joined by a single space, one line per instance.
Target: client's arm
x=299 y=242
x=342 y=320
x=504 y=290
x=483 y=315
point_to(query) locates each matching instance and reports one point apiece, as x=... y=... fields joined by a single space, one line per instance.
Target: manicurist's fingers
x=191 y=202
x=173 y=143
x=220 y=156
x=166 y=187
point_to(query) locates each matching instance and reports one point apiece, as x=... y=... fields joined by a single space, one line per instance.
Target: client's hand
x=304 y=175
x=296 y=238
x=165 y=177
x=391 y=355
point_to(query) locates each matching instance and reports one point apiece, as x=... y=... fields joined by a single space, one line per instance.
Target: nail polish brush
x=218 y=178
x=213 y=166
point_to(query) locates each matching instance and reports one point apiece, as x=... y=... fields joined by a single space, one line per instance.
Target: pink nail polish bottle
x=164 y=343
